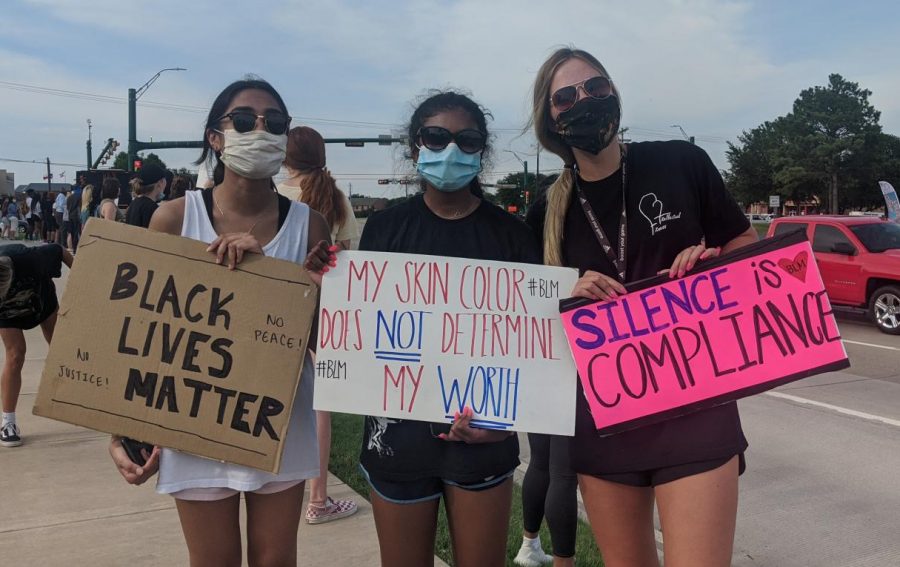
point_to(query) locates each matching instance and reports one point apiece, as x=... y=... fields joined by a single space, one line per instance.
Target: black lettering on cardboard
x=191 y=351
x=224 y=394
x=199 y=387
x=143 y=386
x=169 y=295
x=167 y=394
x=196 y=290
x=237 y=419
x=123 y=287
x=216 y=308
x=123 y=348
x=220 y=346
x=269 y=407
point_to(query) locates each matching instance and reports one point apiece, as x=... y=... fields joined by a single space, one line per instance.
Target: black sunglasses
x=436 y=139
x=245 y=120
x=596 y=87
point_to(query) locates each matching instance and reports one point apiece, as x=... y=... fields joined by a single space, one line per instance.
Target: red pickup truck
x=859 y=259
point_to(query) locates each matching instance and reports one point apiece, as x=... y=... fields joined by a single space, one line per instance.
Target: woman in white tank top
x=246 y=131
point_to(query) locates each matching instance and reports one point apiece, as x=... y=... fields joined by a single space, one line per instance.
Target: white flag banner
x=891 y=201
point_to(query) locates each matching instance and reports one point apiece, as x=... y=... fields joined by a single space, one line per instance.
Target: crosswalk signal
x=137 y=165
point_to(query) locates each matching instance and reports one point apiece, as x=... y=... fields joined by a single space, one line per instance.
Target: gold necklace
x=458 y=213
x=221 y=212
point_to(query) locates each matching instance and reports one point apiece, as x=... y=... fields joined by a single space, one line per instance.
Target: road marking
x=838 y=409
x=871 y=345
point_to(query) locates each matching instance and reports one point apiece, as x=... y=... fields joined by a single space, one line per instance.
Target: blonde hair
x=87 y=194
x=559 y=195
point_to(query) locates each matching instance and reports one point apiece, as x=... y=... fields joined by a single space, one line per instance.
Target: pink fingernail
x=442 y=436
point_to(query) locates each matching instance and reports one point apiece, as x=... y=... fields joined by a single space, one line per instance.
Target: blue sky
x=353 y=68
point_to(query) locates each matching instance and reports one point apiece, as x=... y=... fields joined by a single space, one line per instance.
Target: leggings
x=549 y=489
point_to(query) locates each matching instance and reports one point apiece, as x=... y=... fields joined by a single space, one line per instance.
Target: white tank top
x=300 y=460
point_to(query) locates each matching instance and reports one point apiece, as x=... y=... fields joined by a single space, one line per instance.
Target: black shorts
x=656 y=477
x=425 y=489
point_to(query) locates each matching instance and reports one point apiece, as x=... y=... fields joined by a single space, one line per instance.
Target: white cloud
x=688 y=62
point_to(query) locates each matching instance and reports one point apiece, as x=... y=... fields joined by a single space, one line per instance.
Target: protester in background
x=48 y=223
x=689 y=465
x=87 y=196
x=72 y=226
x=411 y=465
x=549 y=490
x=181 y=184
x=27 y=299
x=29 y=214
x=109 y=192
x=311 y=183
x=58 y=205
x=12 y=216
x=246 y=132
x=148 y=187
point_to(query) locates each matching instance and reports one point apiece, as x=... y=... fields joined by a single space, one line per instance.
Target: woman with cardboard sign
x=246 y=132
x=620 y=213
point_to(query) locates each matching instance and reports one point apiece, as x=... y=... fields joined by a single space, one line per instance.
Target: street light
x=133 y=96
x=683 y=133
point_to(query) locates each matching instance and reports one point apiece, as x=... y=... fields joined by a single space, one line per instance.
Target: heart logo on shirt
x=797 y=266
x=652 y=209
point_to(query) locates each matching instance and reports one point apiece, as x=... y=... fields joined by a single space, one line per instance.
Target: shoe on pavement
x=9 y=435
x=532 y=555
x=332 y=510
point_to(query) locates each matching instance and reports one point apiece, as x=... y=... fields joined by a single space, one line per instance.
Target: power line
x=40 y=162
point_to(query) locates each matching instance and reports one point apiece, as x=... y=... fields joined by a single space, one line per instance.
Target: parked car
x=760 y=217
x=859 y=259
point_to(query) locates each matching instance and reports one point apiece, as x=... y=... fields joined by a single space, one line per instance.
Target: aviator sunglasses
x=436 y=139
x=596 y=87
x=245 y=120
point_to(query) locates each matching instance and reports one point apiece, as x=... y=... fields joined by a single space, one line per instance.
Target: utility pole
x=133 y=96
x=49 y=178
x=89 y=160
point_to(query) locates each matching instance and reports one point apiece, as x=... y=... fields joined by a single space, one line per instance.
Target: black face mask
x=590 y=125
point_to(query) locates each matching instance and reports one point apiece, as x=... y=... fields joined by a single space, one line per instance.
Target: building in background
x=7 y=182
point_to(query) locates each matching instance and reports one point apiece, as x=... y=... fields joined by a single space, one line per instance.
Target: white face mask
x=255 y=155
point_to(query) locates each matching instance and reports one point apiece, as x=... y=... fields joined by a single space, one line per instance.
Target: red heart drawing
x=797 y=266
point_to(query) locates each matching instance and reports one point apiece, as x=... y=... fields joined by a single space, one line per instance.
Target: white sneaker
x=532 y=556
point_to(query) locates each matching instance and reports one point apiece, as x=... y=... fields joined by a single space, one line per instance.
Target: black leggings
x=549 y=489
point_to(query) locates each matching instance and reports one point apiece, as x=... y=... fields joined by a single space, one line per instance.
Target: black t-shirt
x=403 y=450
x=675 y=197
x=140 y=210
x=32 y=295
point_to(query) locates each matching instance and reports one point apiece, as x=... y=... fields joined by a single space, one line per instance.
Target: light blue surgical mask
x=450 y=169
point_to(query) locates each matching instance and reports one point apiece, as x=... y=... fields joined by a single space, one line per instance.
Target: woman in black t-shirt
x=412 y=464
x=621 y=213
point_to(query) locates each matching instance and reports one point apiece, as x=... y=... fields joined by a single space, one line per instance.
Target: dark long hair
x=220 y=105
x=441 y=101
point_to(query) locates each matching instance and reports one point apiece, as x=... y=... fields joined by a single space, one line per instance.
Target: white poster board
x=421 y=337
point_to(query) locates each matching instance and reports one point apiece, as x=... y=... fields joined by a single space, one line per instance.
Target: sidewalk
x=62 y=502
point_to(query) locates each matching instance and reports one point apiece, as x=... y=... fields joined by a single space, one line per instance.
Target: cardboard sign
x=421 y=337
x=156 y=342
x=738 y=325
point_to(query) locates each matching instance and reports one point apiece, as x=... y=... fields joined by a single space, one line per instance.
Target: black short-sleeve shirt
x=404 y=450
x=675 y=197
x=140 y=211
x=32 y=295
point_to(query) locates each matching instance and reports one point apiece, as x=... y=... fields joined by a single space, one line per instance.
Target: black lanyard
x=619 y=261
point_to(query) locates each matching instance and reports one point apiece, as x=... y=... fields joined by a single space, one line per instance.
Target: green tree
x=121 y=161
x=820 y=148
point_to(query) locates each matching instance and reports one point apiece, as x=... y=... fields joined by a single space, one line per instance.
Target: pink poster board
x=741 y=324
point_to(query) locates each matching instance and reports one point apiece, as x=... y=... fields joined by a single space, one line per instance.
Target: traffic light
x=384 y=181
x=137 y=165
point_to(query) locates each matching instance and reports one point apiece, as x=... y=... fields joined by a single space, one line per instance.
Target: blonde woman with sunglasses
x=619 y=213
